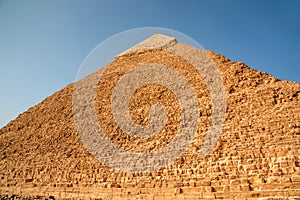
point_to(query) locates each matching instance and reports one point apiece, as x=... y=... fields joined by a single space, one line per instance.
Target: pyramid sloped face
x=256 y=155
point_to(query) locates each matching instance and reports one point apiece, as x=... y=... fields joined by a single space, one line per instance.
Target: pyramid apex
x=156 y=41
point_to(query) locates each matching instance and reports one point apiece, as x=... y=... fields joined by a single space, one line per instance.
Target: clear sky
x=43 y=43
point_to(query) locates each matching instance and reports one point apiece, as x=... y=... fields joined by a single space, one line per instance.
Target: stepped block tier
x=256 y=156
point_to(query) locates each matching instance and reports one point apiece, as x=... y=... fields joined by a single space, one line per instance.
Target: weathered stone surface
x=257 y=154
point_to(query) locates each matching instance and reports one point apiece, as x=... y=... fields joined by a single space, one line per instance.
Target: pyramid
x=48 y=150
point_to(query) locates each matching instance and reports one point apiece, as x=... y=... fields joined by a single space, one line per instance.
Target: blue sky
x=43 y=43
